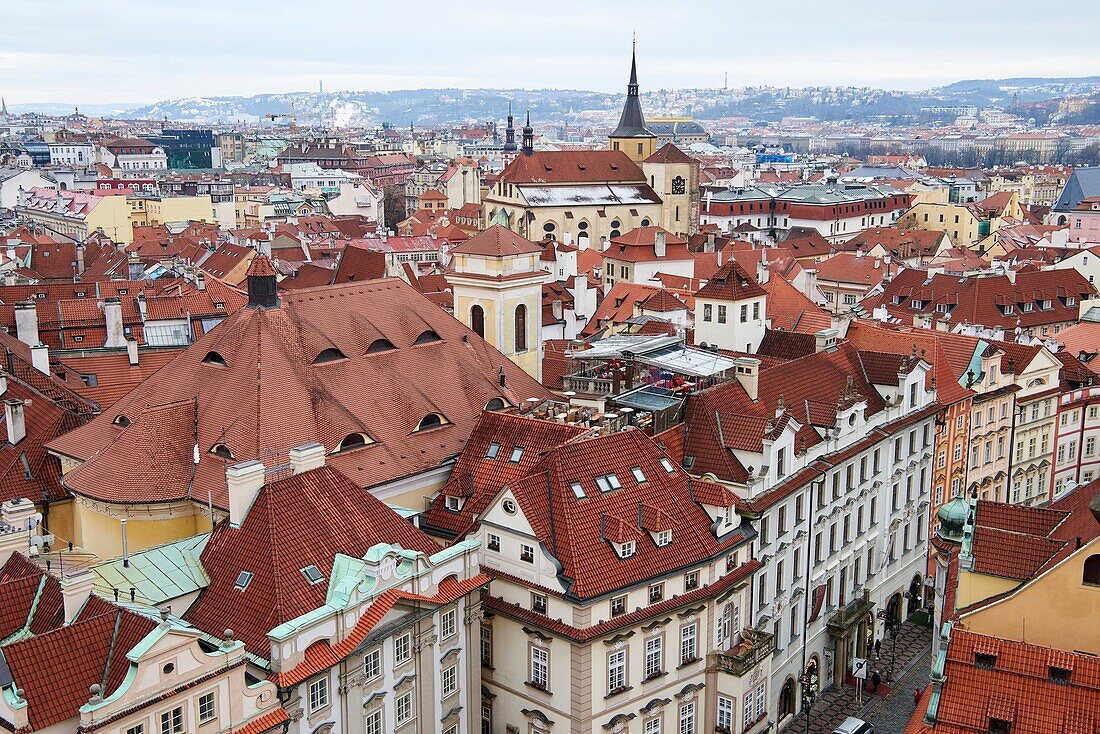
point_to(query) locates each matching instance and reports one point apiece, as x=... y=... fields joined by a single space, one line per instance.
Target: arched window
x=477 y=320
x=521 y=328
x=221 y=451
x=353 y=441
x=329 y=355
x=214 y=358
x=431 y=420
x=1091 y=576
x=428 y=336
x=121 y=420
x=496 y=404
x=380 y=345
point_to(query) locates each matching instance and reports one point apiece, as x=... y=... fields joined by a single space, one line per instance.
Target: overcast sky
x=132 y=51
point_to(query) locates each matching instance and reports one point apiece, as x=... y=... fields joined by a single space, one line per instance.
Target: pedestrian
x=916 y=697
x=878 y=644
x=875 y=680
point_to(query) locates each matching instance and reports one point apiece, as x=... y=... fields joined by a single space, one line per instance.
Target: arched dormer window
x=215 y=359
x=477 y=320
x=496 y=404
x=521 y=328
x=353 y=441
x=121 y=420
x=221 y=451
x=331 y=354
x=1091 y=573
x=428 y=336
x=431 y=420
x=380 y=345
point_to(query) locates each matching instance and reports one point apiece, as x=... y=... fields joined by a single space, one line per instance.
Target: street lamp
x=892 y=628
x=808 y=679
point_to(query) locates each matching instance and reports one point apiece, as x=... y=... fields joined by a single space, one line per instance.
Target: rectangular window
x=724 y=722
x=687 y=718
x=691 y=580
x=403 y=709
x=653 y=726
x=487 y=645
x=689 y=635
x=449 y=680
x=373 y=722
x=207 y=711
x=136 y=729
x=448 y=625
x=494 y=542
x=618 y=606
x=761 y=699
x=656 y=593
x=171 y=722
x=616 y=671
x=402 y=649
x=654 y=657
x=707 y=311
x=721 y=314
x=744 y=313
x=538 y=603
x=540 y=667
x=747 y=710
x=318 y=694
x=526 y=553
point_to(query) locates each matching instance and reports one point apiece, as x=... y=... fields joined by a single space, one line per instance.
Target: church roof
x=632 y=121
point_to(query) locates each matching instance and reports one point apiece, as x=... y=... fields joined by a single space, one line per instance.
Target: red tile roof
x=266 y=723
x=114 y=375
x=669 y=153
x=789 y=309
x=572 y=166
x=638 y=245
x=497 y=241
x=359 y=264
x=257 y=390
x=731 y=283
x=275 y=545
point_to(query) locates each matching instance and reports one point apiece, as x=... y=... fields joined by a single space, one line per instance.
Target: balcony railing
x=755 y=646
x=855 y=610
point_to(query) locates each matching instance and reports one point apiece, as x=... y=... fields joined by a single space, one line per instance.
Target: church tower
x=497 y=286
x=509 y=138
x=631 y=136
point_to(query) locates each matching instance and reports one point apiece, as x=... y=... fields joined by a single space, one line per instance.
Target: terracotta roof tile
x=497 y=241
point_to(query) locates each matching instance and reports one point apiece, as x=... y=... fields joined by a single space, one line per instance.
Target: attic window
x=221 y=451
x=313 y=574
x=626 y=550
x=608 y=482
x=664 y=538
x=215 y=359
x=639 y=476
x=496 y=404
x=331 y=354
x=428 y=336
x=244 y=578
x=1059 y=676
x=578 y=490
x=454 y=504
x=353 y=441
x=517 y=454
x=984 y=661
x=667 y=465
x=380 y=345
x=121 y=420
x=494 y=449
x=432 y=420
x=999 y=726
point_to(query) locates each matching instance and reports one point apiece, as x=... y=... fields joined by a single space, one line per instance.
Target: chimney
x=244 y=480
x=112 y=312
x=80 y=259
x=76 y=587
x=132 y=352
x=307 y=456
x=762 y=272
x=15 y=420
x=747 y=371
x=556 y=308
x=26 y=322
x=709 y=247
x=40 y=358
x=135 y=267
x=14 y=530
x=659 y=243
x=3 y=383
x=200 y=281
x=719 y=256
x=825 y=340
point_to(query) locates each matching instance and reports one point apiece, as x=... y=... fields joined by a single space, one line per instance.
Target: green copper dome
x=952 y=516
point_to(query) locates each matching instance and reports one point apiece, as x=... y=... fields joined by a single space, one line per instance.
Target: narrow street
x=890 y=709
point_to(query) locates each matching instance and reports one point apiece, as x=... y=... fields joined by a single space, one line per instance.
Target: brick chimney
x=659 y=243
x=76 y=587
x=747 y=371
x=244 y=480
x=307 y=456
x=40 y=358
x=112 y=312
x=14 y=533
x=26 y=322
x=825 y=340
x=132 y=352
x=15 y=420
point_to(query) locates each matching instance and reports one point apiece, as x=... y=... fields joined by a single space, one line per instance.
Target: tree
x=393 y=199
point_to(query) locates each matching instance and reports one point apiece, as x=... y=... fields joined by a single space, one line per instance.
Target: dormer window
x=626 y=550
x=353 y=441
x=999 y=726
x=984 y=661
x=121 y=420
x=1028 y=307
x=1071 y=301
x=332 y=354
x=454 y=504
x=1045 y=305
x=915 y=305
x=428 y=336
x=380 y=345
x=608 y=482
x=1059 y=676
x=496 y=404
x=215 y=359
x=494 y=449
x=432 y=420
x=244 y=578
x=664 y=538
x=221 y=451
x=667 y=465
x=1009 y=310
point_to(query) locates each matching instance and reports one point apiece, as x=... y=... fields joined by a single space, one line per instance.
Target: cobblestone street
x=889 y=710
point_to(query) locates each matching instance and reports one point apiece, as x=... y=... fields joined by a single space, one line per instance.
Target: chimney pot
x=244 y=481
x=15 y=419
x=307 y=456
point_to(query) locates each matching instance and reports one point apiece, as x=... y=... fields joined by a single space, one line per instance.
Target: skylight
x=494 y=449
x=517 y=453
x=578 y=490
x=243 y=579
x=667 y=465
x=638 y=475
x=313 y=574
x=608 y=482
